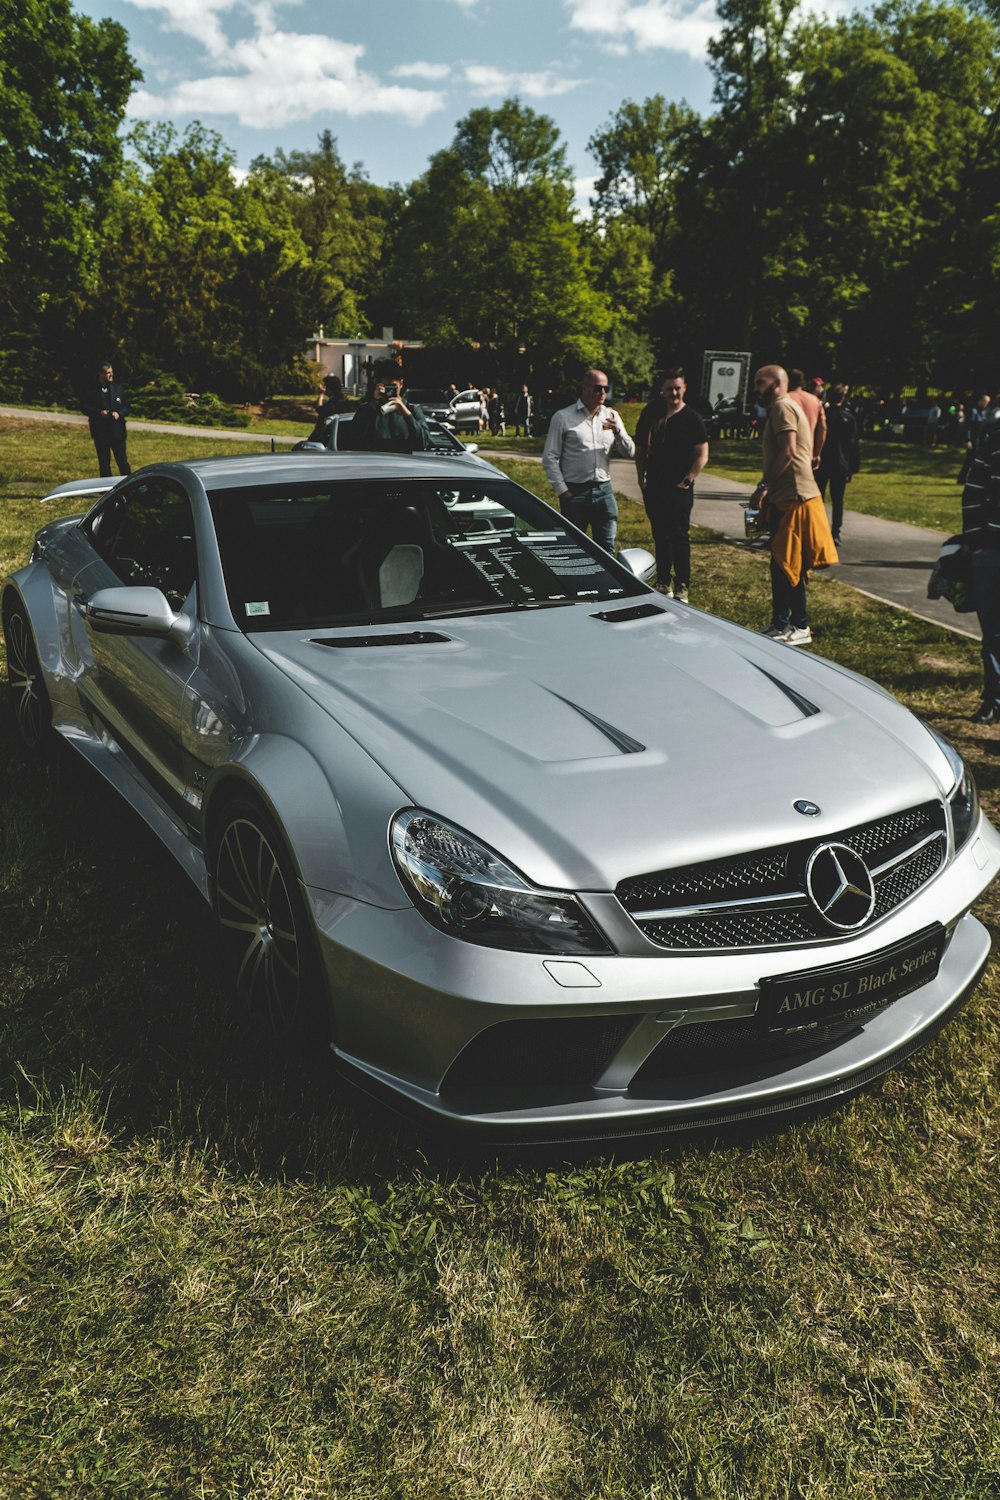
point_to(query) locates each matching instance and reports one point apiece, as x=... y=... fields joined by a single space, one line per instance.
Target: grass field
x=218 y=1280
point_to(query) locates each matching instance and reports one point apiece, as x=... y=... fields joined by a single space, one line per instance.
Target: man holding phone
x=576 y=458
x=384 y=423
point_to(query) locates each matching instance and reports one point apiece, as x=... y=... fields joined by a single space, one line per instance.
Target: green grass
x=900 y=481
x=219 y=1280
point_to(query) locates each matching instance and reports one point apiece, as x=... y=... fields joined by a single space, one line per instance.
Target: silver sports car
x=558 y=857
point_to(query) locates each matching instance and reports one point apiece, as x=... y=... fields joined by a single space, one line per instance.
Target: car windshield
x=341 y=553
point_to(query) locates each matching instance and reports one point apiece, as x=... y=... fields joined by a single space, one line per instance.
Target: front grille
x=758 y=900
x=557 y=1052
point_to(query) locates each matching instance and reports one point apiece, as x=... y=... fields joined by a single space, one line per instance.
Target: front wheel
x=32 y=710
x=267 y=940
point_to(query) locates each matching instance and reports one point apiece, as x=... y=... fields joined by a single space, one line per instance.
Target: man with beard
x=671 y=449
x=800 y=532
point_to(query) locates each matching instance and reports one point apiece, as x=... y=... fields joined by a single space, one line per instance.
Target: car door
x=143 y=533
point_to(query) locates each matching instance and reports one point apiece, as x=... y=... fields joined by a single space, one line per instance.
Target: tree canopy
x=838 y=208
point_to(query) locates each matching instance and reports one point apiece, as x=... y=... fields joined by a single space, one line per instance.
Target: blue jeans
x=986 y=592
x=788 y=600
x=593 y=505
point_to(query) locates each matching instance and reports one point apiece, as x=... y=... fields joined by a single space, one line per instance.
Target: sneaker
x=668 y=592
x=774 y=632
x=681 y=593
x=796 y=636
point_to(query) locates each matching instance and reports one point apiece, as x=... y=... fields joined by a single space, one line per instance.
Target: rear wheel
x=32 y=710
x=267 y=939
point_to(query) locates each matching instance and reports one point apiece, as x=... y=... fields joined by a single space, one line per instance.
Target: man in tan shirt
x=800 y=532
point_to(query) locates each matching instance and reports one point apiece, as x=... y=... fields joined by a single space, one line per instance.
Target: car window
x=145 y=534
x=347 y=552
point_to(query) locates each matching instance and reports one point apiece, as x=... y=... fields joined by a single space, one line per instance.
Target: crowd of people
x=810 y=441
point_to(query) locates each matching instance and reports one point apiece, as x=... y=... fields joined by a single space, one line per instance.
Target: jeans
x=986 y=592
x=669 y=513
x=593 y=505
x=788 y=600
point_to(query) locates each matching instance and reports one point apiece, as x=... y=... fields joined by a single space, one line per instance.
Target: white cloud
x=274 y=78
x=428 y=70
x=668 y=25
x=544 y=85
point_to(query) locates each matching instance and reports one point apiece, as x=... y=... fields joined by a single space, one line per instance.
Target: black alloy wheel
x=32 y=709
x=267 y=941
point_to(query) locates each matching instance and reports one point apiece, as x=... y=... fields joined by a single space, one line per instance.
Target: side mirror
x=638 y=561
x=138 y=610
x=471 y=447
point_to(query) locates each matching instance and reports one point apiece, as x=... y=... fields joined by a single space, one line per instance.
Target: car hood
x=586 y=750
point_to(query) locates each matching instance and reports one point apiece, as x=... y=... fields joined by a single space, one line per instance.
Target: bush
x=164 y=399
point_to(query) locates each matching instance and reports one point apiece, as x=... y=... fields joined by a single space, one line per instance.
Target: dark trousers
x=986 y=592
x=109 y=437
x=669 y=515
x=788 y=600
x=593 y=505
x=838 y=485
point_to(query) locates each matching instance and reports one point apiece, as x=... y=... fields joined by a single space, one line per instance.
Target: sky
x=390 y=78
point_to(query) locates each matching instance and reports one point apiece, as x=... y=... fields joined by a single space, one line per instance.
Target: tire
x=29 y=695
x=267 y=942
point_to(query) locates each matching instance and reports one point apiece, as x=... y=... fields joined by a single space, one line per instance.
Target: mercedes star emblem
x=806 y=808
x=840 y=886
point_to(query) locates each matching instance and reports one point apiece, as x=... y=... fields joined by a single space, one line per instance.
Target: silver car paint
x=515 y=728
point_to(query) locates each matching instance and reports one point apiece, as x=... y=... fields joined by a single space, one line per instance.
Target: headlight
x=465 y=889
x=963 y=799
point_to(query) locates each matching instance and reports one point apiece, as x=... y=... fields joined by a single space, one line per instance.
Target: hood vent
x=621 y=741
x=805 y=708
x=637 y=612
x=403 y=638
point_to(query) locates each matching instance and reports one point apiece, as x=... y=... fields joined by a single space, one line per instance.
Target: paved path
x=76 y=419
x=887 y=560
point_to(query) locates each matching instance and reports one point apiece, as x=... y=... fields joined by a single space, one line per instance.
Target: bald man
x=579 y=444
x=800 y=532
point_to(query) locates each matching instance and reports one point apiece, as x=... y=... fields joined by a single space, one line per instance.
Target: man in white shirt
x=576 y=457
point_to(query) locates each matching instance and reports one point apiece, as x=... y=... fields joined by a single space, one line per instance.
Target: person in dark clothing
x=384 y=423
x=329 y=404
x=671 y=449
x=106 y=406
x=981 y=534
x=841 y=456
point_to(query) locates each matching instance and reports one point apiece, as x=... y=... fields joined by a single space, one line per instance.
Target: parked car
x=443 y=439
x=557 y=857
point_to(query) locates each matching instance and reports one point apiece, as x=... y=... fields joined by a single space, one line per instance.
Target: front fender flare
x=337 y=836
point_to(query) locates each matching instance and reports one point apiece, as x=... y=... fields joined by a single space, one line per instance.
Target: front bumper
x=410 y=1007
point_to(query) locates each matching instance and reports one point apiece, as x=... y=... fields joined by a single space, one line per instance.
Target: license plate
x=843 y=992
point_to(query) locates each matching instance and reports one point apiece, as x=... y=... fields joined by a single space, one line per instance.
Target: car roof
x=287 y=468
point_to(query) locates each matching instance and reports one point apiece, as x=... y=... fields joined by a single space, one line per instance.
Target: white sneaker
x=796 y=637
x=774 y=632
x=681 y=593
x=668 y=592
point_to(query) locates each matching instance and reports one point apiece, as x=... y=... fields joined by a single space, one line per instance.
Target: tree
x=64 y=85
x=342 y=218
x=203 y=276
x=486 y=249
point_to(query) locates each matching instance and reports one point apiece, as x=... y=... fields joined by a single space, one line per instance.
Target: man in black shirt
x=671 y=449
x=841 y=456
